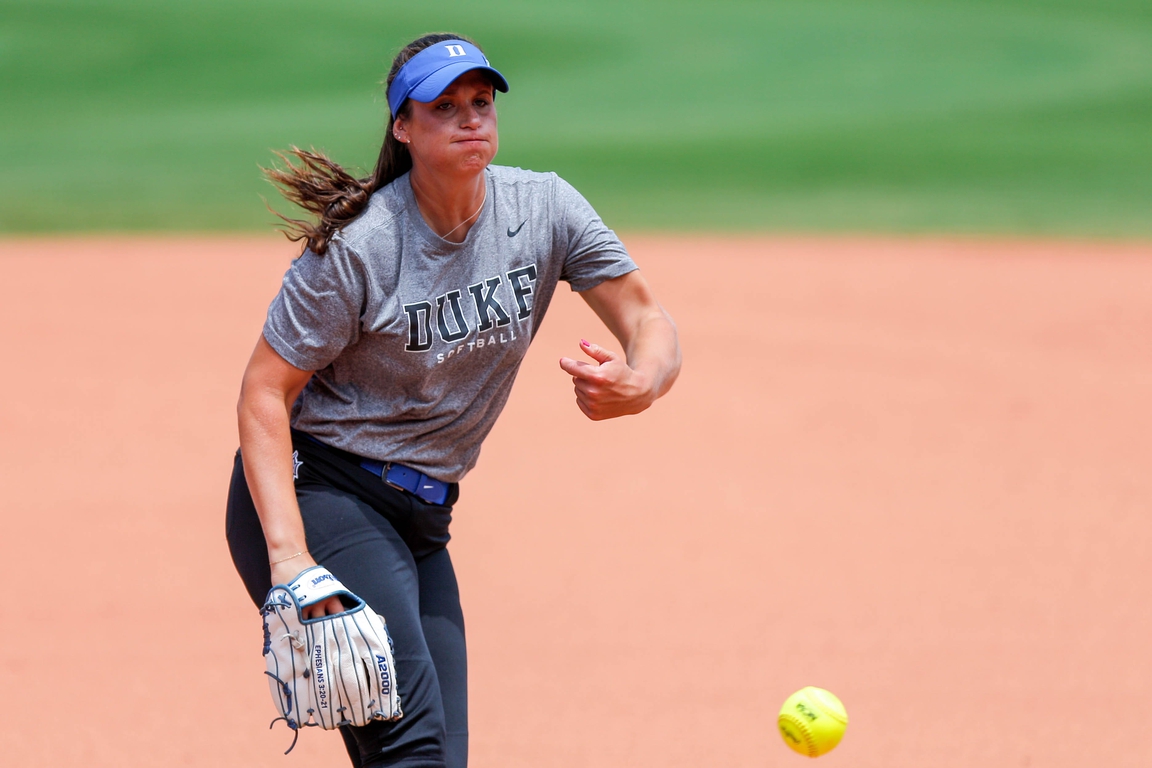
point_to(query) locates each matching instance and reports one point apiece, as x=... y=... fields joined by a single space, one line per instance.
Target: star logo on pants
x=296 y=464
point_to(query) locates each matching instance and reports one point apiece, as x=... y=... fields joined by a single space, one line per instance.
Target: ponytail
x=324 y=189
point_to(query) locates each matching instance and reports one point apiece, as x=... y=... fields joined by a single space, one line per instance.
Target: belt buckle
x=389 y=483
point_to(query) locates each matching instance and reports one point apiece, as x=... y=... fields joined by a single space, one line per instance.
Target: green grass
x=1014 y=116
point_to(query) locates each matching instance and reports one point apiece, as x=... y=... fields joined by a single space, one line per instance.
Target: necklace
x=482 y=201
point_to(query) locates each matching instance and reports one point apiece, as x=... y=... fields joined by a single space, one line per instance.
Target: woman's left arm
x=611 y=387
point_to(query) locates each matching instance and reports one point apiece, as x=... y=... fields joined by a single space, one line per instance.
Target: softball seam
x=803 y=730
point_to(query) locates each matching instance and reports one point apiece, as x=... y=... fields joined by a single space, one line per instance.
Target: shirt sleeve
x=592 y=252
x=317 y=312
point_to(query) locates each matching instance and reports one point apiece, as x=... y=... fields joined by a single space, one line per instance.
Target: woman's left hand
x=607 y=388
x=611 y=386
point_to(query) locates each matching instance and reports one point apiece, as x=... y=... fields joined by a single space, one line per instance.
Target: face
x=456 y=133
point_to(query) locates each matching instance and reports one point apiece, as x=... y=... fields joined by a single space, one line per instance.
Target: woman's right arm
x=270 y=387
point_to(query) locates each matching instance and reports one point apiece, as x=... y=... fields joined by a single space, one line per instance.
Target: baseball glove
x=330 y=671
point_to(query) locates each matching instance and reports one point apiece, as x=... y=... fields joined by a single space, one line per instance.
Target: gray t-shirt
x=415 y=341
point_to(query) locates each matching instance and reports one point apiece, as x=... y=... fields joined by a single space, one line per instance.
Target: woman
x=388 y=354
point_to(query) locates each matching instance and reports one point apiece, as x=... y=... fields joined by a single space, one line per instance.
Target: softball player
x=388 y=354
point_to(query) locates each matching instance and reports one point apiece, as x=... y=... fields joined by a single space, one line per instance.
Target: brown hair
x=324 y=189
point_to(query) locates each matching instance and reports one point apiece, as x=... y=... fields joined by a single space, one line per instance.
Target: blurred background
x=957 y=116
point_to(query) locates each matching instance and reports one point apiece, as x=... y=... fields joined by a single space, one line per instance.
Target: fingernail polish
x=584 y=342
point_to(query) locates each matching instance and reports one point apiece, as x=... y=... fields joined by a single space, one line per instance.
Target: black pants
x=388 y=547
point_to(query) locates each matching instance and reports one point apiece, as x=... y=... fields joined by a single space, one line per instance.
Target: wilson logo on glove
x=331 y=671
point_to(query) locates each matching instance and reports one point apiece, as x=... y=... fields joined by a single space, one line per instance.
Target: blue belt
x=398 y=476
x=405 y=478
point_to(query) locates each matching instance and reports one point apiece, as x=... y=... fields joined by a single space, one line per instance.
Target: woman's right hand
x=287 y=571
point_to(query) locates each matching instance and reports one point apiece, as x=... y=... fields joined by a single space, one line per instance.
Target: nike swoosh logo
x=514 y=232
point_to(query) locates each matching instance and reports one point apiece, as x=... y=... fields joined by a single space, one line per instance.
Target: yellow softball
x=812 y=721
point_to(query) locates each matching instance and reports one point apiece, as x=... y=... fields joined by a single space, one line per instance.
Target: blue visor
x=425 y=76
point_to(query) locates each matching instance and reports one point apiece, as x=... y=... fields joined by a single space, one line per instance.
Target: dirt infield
x=915 y=473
